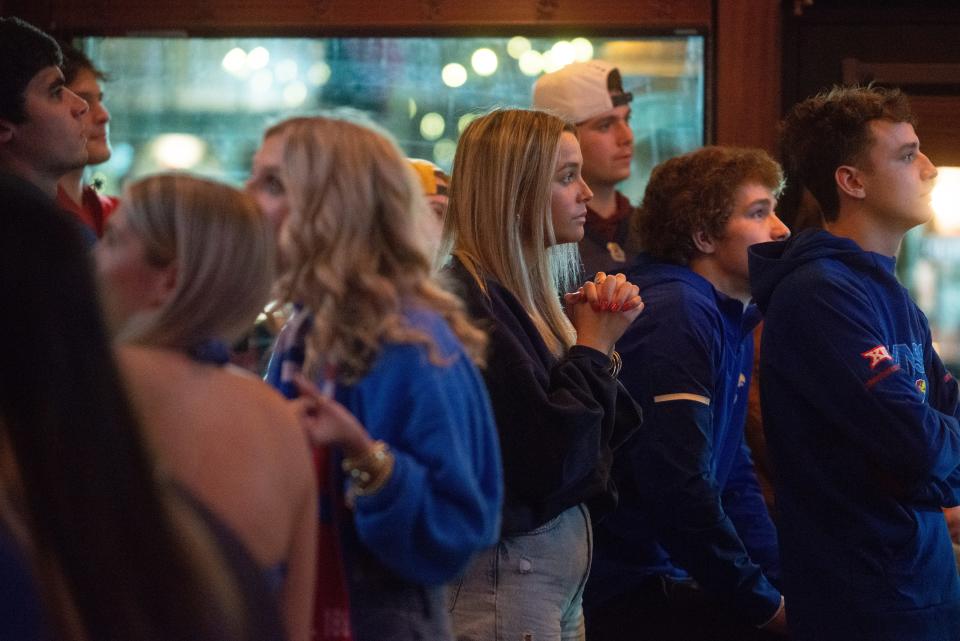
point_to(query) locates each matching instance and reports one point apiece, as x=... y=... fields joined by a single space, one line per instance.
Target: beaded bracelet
x=369 y=472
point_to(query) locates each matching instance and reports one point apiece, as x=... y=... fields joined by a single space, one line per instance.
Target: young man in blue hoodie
x=690 y=552
x=860 y=413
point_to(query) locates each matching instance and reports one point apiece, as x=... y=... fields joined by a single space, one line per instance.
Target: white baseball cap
x=581 y=90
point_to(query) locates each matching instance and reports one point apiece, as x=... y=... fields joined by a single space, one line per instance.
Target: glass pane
x=202 y=104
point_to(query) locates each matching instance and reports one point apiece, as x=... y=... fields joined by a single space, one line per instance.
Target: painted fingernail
x=615 y=307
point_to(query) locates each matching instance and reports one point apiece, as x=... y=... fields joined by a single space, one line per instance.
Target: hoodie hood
x=771 y=262
x=645 y=271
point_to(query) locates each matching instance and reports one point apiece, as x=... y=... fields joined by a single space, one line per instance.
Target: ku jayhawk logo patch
x=877 y=355
x=906 y=358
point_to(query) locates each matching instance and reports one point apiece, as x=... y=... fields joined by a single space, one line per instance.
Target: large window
x=202 y=104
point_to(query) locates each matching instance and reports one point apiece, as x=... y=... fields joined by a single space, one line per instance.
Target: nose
x=78 y=106
x=626 y=133
x=585 y=193
x=101 y=114
x=930 y=170
x=778 y=231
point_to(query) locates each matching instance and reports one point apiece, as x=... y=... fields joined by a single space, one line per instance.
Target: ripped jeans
x=528 y=587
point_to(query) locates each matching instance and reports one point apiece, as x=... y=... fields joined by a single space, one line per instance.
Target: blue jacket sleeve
x=671 y=365
x=743 y=502
x=906 y=445
x=442 y=503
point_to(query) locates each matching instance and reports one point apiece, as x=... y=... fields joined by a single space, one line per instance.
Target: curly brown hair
x=693 y=193
x=831 y=129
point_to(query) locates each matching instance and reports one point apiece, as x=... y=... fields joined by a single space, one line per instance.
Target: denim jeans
x=528 y=587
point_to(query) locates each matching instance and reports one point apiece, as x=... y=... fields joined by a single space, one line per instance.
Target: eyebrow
x=567 y=165
x=910 y=146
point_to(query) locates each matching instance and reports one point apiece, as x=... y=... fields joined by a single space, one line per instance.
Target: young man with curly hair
x=691 y=552
x=860 y=414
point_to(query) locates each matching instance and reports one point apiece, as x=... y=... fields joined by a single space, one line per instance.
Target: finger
x=591 y=296
x=606 y=292
x=599 y=278
x=632 y=304
x=624 y=292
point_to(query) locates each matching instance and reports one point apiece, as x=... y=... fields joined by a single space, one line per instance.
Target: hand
x=602 y=310
x=605 y=293
x=952 y=515
x=327 y=422
x=778 y=624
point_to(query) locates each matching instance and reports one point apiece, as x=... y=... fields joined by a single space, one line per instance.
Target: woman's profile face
x=266 y=183
x=128 y=283
x=569 y=193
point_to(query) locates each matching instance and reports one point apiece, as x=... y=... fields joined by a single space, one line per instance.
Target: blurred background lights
x=318 y=73
x=945 y=200
x=235 y=61
x=261 y=81
x=563 y=53
x=258 y=58
x=551 y=61
x=286 y=70
x=531 y=63
x=517 y=46
x=178 y=151
x=294 y=94
x=583 y=49
x=465 y=120
x=454 y=74
x=484 y=61
x=432 y=126
x=411 y=107
x=443 y=152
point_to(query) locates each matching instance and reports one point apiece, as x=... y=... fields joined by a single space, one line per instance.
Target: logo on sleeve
x=877 y=355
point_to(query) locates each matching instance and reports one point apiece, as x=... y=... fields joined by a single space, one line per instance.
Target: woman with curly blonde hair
x=517 y=209
x=396 y=350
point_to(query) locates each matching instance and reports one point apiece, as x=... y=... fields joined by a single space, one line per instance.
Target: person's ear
x=165 y=284
x=6 y=130
x=703 y=242
x=849 y=181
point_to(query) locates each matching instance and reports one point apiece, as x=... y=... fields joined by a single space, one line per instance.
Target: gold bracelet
x=616 y=363
x=370 y=471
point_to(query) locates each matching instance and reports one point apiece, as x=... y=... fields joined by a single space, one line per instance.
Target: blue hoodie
x=861 y=422
x=690 y=504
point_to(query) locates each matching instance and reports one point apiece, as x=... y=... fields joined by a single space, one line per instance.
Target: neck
x=72 y=184
x=722 y=281
x=45 y=182
x=864 y=229
x=604 y=201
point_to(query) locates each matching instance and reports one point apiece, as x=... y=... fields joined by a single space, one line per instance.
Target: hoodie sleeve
x=442 y=502
x=831 y=346
x=670 y=364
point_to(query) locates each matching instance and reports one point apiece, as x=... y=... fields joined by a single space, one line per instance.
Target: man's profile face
x=51 y=139
x=606 y=142
x=897 y=177
x=96 y=121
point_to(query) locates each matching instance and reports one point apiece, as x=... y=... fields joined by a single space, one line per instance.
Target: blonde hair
x=498 y=222
x=222 y=248
x=351 y=250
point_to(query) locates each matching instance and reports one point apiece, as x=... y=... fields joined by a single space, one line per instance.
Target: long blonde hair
x=351 y=250
x=498 y=222
x=223 y=250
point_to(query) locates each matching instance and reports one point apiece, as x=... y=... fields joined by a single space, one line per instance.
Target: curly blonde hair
x=350 y=248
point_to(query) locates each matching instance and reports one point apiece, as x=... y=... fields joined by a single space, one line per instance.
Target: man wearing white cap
x=590 y=95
